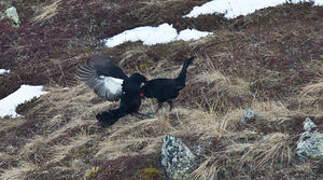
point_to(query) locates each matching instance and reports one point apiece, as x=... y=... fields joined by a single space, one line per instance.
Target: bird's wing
x=104 y=77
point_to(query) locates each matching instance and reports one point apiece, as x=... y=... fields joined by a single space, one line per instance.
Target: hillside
x=270 y=62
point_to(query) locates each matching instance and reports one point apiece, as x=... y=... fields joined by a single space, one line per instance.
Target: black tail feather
x=181 y=78
x=108 y=118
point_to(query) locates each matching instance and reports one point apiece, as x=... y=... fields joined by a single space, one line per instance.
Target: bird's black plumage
x=166 y=90
x=110 y=82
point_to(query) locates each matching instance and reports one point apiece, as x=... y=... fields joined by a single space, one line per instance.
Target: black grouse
x=110 y=82
x=166 y=90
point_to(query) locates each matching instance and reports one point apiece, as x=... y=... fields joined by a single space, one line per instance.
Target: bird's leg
x=170 y=105
x=140 y=115
x=159 y=106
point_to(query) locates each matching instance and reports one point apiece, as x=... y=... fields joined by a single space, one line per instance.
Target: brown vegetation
x=269 y=61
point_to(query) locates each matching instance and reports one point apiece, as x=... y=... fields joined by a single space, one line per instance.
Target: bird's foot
x=171 y=105
x=159 y=106
x=139 y=115
x=142 y=115
x=150 y=114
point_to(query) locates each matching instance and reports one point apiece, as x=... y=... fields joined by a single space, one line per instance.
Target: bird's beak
x=146 y=81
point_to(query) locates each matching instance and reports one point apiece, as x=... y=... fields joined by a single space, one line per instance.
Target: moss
x=91 y=173
x=81 y=152
x=144 y=66
x=27 y=105
x=144 y=167
x=150 y=173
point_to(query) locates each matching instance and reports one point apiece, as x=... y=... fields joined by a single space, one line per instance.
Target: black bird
x=110 y=82
x=166 y=90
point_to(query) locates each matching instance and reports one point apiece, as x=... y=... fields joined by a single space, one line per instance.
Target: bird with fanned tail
x=110 y=82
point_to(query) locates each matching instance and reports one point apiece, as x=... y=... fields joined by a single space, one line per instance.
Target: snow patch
x=9 y=104
x=191 y=34
x=149 y=35
x=3 y=71
x=235 y=8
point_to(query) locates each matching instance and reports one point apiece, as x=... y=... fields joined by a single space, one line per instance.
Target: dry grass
x=70 y=127
x=47 y=12
x=315 y=89
x=6 y=124
x=273 y=147
x=61 y=151
x=18 y=172
x=246 y=159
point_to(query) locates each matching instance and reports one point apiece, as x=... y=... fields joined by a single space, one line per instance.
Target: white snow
x=191 y=34
x=2 y=71
x=234 y=8
x=164 y=33
x=149 y=35
x=24 y=93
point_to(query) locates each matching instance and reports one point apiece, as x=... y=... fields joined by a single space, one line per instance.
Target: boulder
x=310 y=143
x=177 y=158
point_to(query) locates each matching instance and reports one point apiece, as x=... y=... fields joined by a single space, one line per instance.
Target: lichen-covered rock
x=12 y=14
x=309 y=125
x=248 y=116
x=177 y=158
x=310 y=143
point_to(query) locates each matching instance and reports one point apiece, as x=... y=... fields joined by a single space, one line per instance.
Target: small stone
x=308 y=124
x=248 y=116
x=12 y=14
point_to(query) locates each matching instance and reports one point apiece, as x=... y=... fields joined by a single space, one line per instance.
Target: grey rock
x=177 y=158
x=310 y=143
x=248 y=116
x=309 y=125
x=12 y=14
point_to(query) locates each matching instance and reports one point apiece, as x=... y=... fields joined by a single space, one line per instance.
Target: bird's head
x=139 y=78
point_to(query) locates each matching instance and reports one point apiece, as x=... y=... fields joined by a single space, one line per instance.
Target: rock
x=310 y=143
x=309 y=125
x=177 y=158
x=12 y=14
x=248 y=116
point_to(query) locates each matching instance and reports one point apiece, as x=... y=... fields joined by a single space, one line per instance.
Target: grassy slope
x=269 y=62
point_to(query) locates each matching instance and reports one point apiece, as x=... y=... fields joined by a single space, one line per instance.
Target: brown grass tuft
x=261 y=157
x=17 y=173
x=47 y=12
x=315 y=89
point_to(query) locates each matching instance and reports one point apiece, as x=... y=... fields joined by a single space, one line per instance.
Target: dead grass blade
x=47 y=12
